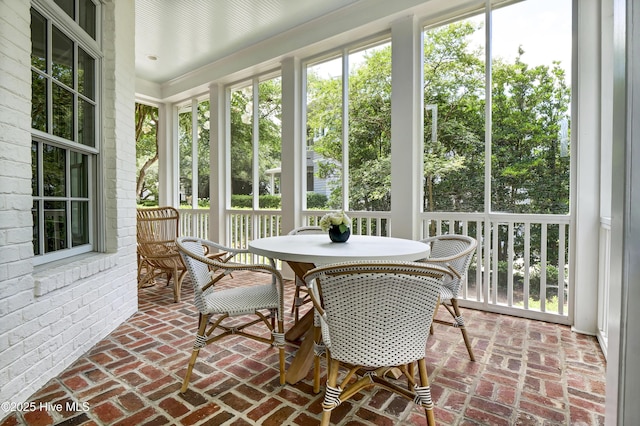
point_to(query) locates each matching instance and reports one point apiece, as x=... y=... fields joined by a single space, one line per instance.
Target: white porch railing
x=194 y=222
x=362 y=223
x=520 y=253
x=247 y=225
x=525 y=257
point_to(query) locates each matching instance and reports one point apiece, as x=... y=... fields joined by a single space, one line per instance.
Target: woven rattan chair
x=246 y=300
x=300 y=285
x=157 y=230
x=455 y=252
x=372 y=317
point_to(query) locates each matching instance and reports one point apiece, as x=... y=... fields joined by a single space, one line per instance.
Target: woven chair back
x=455 y=251
x=157 y=230
x=199 y=271
x=376 y=314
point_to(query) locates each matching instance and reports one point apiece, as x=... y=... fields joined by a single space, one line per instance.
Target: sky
x=541 y=27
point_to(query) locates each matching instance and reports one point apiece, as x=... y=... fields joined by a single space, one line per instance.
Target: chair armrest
x=219 y=247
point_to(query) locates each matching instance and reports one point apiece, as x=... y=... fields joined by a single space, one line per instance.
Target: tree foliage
x=146 y=121
x=529 y=104
x=530 y=174
x=454 y=80
x=185 y=138
x=269 y=114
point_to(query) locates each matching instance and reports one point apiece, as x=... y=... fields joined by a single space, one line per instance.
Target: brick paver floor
x=526 y=373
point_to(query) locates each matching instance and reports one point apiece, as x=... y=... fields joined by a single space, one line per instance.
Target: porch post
x=586 y=199
x=292 y=155
x=406 y=128
x=167 y=156
x=218 y=159
x=623 y=355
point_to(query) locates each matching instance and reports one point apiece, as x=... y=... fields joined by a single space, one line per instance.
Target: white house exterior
x=53 y=313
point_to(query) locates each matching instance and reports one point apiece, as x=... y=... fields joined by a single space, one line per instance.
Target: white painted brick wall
x=51 y=315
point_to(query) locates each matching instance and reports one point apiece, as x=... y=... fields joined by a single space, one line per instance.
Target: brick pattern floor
x=526 y=373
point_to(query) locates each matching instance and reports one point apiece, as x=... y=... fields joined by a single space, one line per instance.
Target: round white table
x=320 y=250
x=304 y=251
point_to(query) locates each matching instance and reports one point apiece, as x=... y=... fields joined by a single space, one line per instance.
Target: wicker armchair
x=455 y=252
x=372 y=316
x=157 y=230
x=249 y=300
x=300 y=285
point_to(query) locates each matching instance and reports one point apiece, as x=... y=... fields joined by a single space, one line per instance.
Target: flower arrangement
x=339 y=219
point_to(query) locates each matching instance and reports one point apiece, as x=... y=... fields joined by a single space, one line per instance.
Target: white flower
x=339 y=219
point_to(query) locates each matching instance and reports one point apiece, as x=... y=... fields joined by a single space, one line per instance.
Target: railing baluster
x=561 y=262
x=511 y=236
x=543 y=268
x=527 y=265
x=494 y=265
x=479 y=263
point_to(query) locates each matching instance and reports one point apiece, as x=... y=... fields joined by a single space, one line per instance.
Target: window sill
x=62 y=273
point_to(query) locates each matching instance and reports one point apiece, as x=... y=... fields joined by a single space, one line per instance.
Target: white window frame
x=342 y=53
x=254 y=84
x=55 y=16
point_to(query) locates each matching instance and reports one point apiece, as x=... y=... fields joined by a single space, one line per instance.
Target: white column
x=219 y=160
x=623 y=361
x=406 y=128
x=167 y=156
x=293 y=149
x=194 y=153
x=586 y=164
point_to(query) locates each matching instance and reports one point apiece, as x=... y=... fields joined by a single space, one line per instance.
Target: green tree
x=529 y=171
x=454 y=81
x=324 y=129
x=269 y=131
x=369 y=131
x=185 y=123
x=146 y=121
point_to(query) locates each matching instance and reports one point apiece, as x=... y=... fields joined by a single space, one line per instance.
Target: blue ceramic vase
x=337 y=236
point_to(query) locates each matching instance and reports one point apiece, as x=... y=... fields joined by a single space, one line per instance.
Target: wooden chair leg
x=424 y=382
x=178 y=284
x=333 y=367
x=411 y=369
x=463 y=330
x=317 y=339
x=297 y=301
x=295 y=295
x=176 y=291
x=281 y=355
x=198 y=344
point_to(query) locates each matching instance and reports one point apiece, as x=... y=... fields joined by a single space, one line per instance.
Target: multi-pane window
x=64 y=74
x=81 y=11
x=529 y=111
x=454 y=116
x=193 y=143
x=531 y=71
x=256 y=144
x=517 y=136
x=348 y=123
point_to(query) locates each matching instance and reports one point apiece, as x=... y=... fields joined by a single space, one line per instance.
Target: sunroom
x=506 y=121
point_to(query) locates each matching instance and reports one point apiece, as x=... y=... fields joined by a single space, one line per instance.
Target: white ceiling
x=188 y=34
